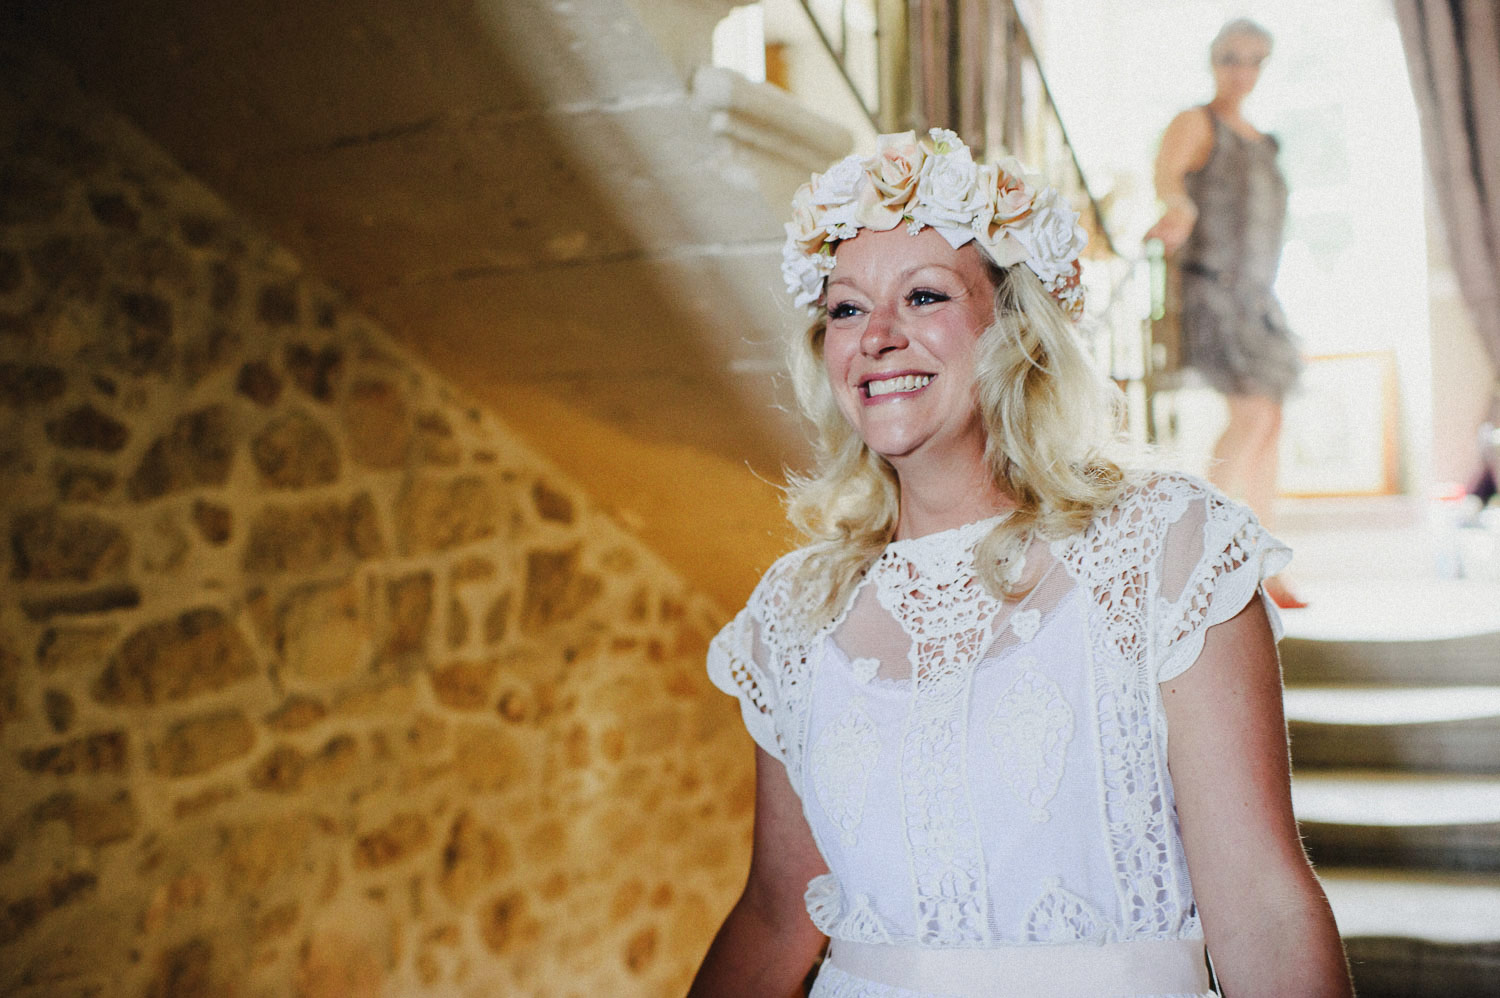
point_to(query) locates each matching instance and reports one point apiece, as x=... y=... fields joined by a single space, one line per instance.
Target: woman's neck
x=930 y=504
x=1227 y=108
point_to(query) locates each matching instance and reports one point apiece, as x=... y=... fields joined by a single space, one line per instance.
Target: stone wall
x=312 y=680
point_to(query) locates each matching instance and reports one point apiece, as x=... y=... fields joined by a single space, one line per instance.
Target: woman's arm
x=1266 y=920
x=1185 y=147
x=767 y=944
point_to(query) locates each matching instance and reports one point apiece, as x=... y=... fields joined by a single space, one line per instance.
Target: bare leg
x=1260 y=474
x=1245 y=465
x=1240 y=449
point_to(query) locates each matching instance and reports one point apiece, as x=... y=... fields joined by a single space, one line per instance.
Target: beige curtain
x=1453 y=56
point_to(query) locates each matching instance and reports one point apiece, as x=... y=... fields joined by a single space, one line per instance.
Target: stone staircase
x=1393 y=702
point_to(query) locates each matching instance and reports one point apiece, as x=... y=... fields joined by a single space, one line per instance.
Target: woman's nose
x=882 y=333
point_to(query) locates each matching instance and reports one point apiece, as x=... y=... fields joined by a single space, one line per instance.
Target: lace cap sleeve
x=1212 y=563
x=745 y=659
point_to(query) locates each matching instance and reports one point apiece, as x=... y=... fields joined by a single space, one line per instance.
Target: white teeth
x=904 y=383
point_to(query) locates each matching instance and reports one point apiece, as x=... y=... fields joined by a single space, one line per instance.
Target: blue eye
x=842 y=310
x=922 y=296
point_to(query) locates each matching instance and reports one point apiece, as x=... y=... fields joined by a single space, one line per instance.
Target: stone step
x=1412 y=934
x=1420 y=632
x=1415 y=820
x=1438 y=728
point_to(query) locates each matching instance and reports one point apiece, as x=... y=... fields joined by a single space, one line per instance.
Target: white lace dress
x=986 y=775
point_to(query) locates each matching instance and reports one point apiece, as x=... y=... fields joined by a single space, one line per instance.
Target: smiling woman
x=961 y=688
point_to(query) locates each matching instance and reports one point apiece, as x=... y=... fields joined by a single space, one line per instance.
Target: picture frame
x=1339 y=435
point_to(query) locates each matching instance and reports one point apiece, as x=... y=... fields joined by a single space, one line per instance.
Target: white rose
x=948 y=193
x=840 y=184
x=806 y=228
x=804 y=273
x=1051 y=234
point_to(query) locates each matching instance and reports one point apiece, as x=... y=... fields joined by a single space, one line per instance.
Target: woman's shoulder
x=1158 y=496
x=776 y=585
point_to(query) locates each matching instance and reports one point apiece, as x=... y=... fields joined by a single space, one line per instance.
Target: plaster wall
x=314 y=679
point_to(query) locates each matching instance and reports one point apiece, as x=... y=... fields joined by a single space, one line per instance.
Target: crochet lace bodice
x=980 y=772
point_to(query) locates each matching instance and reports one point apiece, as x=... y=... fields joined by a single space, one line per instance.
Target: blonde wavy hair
x=1052 y=425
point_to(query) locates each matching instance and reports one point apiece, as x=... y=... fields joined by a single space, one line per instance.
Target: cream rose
x=840 y=184
x=948 y=193
x=1052 y=236
x=806 y=229
x=895 y=168
x=804 y=273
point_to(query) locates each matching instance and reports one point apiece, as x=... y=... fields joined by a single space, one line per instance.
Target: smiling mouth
x=900 y=383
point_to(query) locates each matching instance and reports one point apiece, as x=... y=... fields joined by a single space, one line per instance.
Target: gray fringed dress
x=1233 y=330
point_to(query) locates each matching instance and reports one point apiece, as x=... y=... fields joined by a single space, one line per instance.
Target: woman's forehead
x=895 y=251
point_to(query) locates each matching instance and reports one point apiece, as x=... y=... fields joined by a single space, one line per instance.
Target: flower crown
x=934 y=182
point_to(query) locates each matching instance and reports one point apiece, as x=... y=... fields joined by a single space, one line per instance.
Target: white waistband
x=1146 y=967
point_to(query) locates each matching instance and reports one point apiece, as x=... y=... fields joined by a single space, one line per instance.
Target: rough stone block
x=102 y=752
x=224 y=291
x=114 y=211
x=473 y=570
x=199 y=229
x=556 y=590
x=398 y=839
x=69 y=267
x=376 y=424
x=259 y=383
x=25 y=385
x=280 y=771
x=86 y=428
x=201 y=744
x=197 y=452
x=320 y=633
x=365 y=536
x=296 y=713
x=215 y=523
x=310 y=537
x=333 y=763
x=464 y=685
x=94 y=821
x=278 y=921
x=497 y=620
x=409 y=604
x=19 y=914
x=488 y=758
x=146 y=321
x=48 y=546
x=69 y=648
x=11 y=706
x=185 y=971
x=205 y=800
x=379 y=697
x=81 y=484
x=457 y=630
x=438 y=514
x=197 y=652
x=435 y=440
x=164 y=545
x=314 y=371
x=505 y=925
x=335 y=964
x=252 y=856
x=640 y=950
x=277 y=305
x=86 y=602
x=551 y=504
x=473 y=857
x=295 y=452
